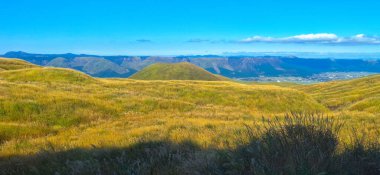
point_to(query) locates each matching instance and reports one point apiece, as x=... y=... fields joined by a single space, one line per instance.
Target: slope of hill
x=95 y=66
x=41 y=105
x=121 y=112
x=57 y=121
x=361 y=94
x=13 y=64
x=45 y=75
x=177 y=71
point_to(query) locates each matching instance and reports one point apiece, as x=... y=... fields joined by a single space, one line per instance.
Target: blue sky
x=174 y=27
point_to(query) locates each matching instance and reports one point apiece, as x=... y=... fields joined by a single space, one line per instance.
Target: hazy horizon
x=321 y=55
x=166 y=27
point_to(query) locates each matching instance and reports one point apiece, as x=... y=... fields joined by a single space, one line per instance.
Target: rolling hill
x=56 y=120
x=362 y=94
x=14 y=64
x=177 y=71
x=41 y=101
x=46 y=75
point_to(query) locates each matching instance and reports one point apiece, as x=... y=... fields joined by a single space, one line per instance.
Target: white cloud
x=318 y=38
x=360 y=36
x=258 y=39
x=314 y=37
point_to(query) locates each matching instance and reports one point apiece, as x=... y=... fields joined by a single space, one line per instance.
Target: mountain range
x=228 y=66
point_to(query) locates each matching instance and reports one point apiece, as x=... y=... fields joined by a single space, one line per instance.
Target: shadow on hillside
x=296 y=146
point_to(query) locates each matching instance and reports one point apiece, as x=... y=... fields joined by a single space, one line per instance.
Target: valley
x=316 y=78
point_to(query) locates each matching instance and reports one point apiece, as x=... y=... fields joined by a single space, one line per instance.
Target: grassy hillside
x=63 y=121
x=46 y=75
x=54 y=103
x=177 y=71
x=14 y=64
x=50 y=99
x=361 y=94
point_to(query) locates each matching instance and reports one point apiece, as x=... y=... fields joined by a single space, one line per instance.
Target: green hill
x=361 y=94
x=45 y=75
x=177 y=71
x=14 y=64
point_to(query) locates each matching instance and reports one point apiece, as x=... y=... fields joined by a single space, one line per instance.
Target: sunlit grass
x=60 y=109
x=360 y=94
x=14 y=64
x=121 y=112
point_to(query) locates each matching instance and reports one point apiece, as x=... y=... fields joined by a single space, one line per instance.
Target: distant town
x=316 y=78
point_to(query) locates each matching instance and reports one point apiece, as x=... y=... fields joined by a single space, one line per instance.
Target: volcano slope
x=176 y=71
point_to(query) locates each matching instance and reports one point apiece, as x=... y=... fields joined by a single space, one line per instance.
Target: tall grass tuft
x=361 y=155
x=303 y=144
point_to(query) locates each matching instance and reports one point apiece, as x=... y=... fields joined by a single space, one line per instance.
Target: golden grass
x=46 y=75
x=361 y=94
x=14 y=64
x=60 y=109
x=82 y=112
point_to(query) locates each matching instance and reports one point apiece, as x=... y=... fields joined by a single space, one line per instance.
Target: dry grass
x=295 y=144
x=120 y=112
x=69 y=113
x=361 y=94
x=14 y=64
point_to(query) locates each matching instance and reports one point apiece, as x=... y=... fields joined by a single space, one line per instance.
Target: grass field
x=60 y=120
x=362 y=94
x=13 y=64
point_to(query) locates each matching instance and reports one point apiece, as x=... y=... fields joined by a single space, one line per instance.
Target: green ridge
x=177 y=71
